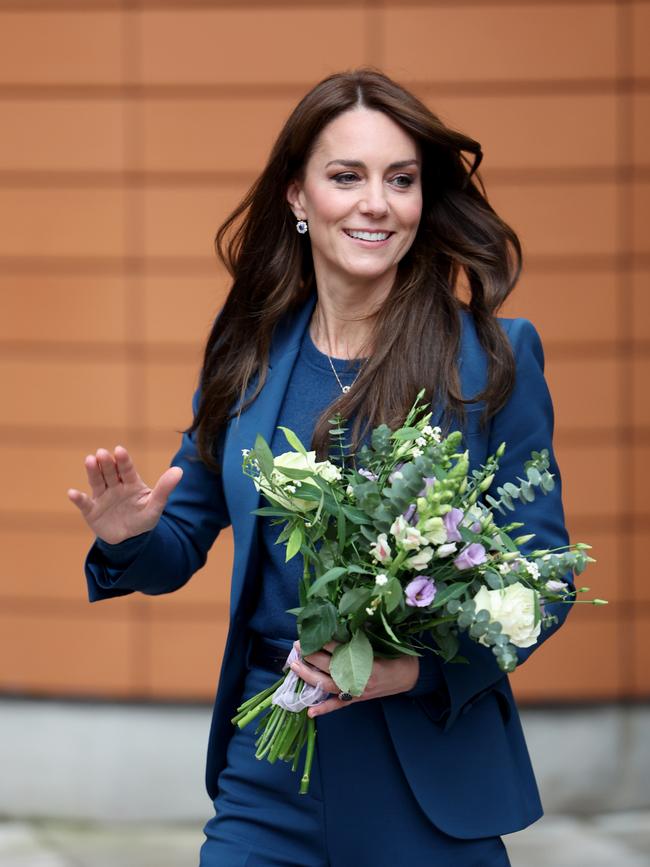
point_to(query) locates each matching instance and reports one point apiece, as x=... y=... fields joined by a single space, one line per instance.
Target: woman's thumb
x=164 y=486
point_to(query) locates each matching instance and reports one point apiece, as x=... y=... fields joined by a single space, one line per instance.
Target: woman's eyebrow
x=358 y=164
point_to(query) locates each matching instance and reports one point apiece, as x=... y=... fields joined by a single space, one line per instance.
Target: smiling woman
x=346 y=256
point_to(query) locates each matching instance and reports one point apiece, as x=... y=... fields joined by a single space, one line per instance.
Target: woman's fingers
x=95 y=476
x=125 y=466
x=108 y=467
x=82 y=501
x=314 y=676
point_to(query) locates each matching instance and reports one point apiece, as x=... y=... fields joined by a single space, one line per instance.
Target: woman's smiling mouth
x=364 y=235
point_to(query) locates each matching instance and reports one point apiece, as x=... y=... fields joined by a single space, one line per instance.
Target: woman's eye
x=345 y=177
x=403 y=180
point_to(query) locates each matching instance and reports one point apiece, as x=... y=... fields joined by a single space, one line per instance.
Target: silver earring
x=301 y=226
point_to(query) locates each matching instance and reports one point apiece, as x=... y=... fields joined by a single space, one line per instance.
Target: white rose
x=514 y=608
x=291 y=460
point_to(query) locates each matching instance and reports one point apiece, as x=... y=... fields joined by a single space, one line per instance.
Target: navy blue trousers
x=359 y=811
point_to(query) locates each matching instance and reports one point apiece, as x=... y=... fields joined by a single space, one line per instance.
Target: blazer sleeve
x=525 y=424
x=164 y=558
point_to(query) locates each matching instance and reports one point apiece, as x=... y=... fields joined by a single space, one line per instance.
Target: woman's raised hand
x=121 y=505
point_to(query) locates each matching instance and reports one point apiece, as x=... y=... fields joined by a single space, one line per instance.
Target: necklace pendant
x=346 y=388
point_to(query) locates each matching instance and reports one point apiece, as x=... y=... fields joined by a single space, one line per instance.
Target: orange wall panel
x=185 y=656
x=182 y=221
x=249 y=46
x=180 y=309
x=71 y=309
x=62 y=221
x=62 y=135
x=641 y=217
x=641 y=127
x=227 y=134
x=558 y=131
x=60 y=47
x=63 y=393
x=571 y=219
x=585 y=395
x=48 y=652
x=590 y=475
x=499 y=42
x=567 y=306
x=640 y=29
x=639 y=282
x=579 y=662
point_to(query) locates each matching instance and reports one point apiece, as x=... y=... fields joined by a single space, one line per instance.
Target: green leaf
x=264 y=456
x=316 y=625
x=353 y=599
x=351 y=664
x=293 y=440
x=406 y=433
x=294 y=543
x=321 y=583
x=296 y=473
x=393 y=595
x=452 y=591
x=387 y=627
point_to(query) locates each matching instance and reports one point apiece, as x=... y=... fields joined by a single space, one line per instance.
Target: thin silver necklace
x=344 y=388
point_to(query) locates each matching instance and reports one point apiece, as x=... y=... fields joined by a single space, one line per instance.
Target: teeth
x=368 y=236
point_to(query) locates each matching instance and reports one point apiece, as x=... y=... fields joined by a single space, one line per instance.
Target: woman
x=348 y=258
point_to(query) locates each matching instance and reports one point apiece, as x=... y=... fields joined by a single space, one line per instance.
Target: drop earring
x=301 y=226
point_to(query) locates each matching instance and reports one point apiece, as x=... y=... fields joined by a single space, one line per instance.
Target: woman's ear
x=295 y=199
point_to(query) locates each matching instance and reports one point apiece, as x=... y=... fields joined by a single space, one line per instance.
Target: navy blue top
x=311 y=388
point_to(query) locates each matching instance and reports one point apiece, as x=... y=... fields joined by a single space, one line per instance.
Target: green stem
x=253 y=701
x=253 y=712
x=311 y=741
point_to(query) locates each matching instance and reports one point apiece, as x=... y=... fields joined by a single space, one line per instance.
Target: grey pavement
x=611 y=840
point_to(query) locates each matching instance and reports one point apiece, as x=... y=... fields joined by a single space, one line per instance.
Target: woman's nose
x=373 y=200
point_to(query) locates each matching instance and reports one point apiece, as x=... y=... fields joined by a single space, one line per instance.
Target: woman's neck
x=342 y=321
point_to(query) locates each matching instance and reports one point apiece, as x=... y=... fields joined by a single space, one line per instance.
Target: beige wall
x=128 y=131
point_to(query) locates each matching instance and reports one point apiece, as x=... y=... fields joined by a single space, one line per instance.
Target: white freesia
x=420 y=559
x=514 y=608
x=409 y=538
x=446 y=549
x=434 y=530
x=380 y=549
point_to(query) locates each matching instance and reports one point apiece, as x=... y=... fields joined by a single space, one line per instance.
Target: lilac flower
x=368 y=474
x=411 y=514
x=472 y=555
x=421 y=591
x=429 y=482
x=451 y=521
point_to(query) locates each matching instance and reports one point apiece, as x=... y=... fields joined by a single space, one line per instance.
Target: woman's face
x=361 y=194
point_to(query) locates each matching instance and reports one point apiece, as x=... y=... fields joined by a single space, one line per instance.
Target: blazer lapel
x=260 y=418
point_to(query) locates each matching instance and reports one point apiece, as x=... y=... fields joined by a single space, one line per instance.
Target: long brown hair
x=460 y=238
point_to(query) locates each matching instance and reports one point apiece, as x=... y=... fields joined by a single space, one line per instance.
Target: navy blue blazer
x=463 y=753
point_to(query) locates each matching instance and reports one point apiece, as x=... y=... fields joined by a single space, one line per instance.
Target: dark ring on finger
x=345 y=696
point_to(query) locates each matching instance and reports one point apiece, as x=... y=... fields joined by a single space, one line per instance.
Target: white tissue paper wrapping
x=286 y=695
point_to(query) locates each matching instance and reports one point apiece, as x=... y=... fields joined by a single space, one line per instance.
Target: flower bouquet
x=399 y=541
